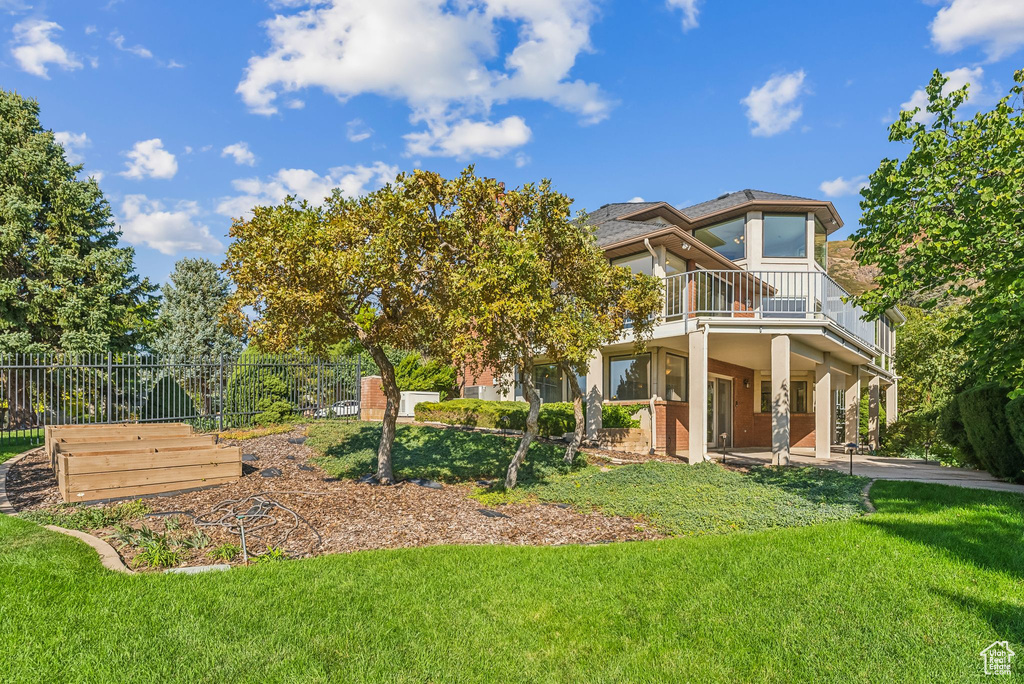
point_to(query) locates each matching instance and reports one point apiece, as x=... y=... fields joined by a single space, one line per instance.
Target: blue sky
x=189 y=112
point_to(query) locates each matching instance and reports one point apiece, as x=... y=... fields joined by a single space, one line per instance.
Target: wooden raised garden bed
x=95 y=462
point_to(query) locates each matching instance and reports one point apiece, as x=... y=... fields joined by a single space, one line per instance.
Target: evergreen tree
x=189 y=323
x=66 y=284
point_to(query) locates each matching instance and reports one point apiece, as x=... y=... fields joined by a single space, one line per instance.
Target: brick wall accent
x=371 y=398
x=801 y=429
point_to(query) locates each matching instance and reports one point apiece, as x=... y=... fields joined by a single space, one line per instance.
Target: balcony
x=760 y=295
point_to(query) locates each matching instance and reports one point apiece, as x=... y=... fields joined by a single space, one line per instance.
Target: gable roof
x=731 y=200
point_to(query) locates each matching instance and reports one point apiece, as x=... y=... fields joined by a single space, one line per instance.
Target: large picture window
x=797 y=398
x=548 y=381
x=785 y=235
x=676 y=377
x=637 y=263
x=629 y=378
x=728 y=239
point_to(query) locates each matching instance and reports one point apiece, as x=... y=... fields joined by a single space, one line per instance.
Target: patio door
x=719 y=412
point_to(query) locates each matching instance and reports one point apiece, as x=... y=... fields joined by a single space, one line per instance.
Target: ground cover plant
x=911 y=593
x=706 y=498
x=350 y=449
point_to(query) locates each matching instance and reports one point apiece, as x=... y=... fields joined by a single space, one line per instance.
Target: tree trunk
x=387 y=434
x=577 y=409
x=19 y=407
x=533 y=396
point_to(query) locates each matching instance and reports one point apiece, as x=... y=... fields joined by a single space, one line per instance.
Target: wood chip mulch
x=346 y=515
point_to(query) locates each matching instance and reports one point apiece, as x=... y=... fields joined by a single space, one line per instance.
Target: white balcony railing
x=765 y=295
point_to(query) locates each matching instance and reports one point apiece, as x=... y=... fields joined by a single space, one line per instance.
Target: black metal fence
x=209 y=393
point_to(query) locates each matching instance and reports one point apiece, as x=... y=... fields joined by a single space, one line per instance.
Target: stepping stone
x=491 y=514
x=270 y=472
x=196 y=569
x=307 y=468
x=560 y=505
x=296 y=440
x=483 y=483
x=249 y=458
x=369 y=479
x=289 y=458
x=429 y=484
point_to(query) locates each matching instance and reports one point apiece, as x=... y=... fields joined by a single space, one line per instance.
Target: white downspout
x=654 y=369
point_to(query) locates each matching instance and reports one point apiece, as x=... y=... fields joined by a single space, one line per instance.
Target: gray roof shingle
x=734 y=199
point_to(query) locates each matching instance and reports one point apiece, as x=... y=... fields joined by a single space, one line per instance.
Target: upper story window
x=637 y=263
x=728 y=239
x=820 y=244
x=674 y=264
x=785 y=235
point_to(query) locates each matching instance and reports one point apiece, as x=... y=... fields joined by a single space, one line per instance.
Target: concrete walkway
x=879 y=468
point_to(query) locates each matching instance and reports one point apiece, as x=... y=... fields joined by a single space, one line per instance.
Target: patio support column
x=891 y=407
x=853 y=406
x=698 y=436
x=595 y=394
x=780 y=399
x=823 y=408
x=874 y=385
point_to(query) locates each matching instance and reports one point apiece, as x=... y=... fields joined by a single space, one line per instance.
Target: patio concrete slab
x=879 y=468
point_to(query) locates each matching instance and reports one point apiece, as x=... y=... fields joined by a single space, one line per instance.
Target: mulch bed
x=345 y=515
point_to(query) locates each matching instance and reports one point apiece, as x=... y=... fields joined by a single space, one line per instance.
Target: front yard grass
x=12 y=446
x=707 y=498
x=444 y=454
x=911 y=593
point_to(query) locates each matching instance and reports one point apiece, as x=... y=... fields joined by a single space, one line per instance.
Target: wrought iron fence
x=209 y=393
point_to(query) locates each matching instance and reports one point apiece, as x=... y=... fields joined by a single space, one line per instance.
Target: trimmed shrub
x=907 y=436
x=951 y=430
x=259 y=390
x=169 y=400
x=1015 y=421
x=983 y=411
x=555 y=419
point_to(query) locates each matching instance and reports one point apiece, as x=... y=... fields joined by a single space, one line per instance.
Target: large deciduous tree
x=387 y=269
x=946 y=224
x=66 y=284
x=548 y=290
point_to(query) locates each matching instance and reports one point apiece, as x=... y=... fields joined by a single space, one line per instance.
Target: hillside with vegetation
x=845 y=270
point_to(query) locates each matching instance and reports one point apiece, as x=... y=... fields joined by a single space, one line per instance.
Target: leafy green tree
x=66 y=284
x=433 y=376
x=387 y=269
x=546 y=288
x=932 y=359
x=946 y=224
x=189 y=323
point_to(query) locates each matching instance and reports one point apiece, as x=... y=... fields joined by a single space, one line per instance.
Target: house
x=757 y=347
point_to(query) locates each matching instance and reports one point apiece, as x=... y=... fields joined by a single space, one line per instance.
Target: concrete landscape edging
x=108 y=556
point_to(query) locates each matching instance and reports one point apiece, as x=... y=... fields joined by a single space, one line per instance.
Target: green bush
x=908 y=435
x=1015 y=419
x=555 y=418
x=168 y=399
x=951 y=431
x=259 y=390
x=414 y=376
x=984 y=415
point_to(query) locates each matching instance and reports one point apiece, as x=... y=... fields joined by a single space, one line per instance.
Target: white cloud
x=147 y=222
x=843 y=186
x=149 y=159
x=357 y=131
x=241 y=153
x=295 y=104
x=689 y=9
x=72 y=144
x=521 y=160
x=34 y=48
x=996 y=25
x=447 y=61
x=636 y=200
x=773 y=108
x=98 y=175
x=90 y=29
x=305 y=184
x=958 y=78
x=139 y=51
x=466 y=138
x=174 y=64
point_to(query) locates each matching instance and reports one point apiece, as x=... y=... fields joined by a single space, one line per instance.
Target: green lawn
x=15 y=445
x=911 y=593
x=446 y=455
x=706 y=498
